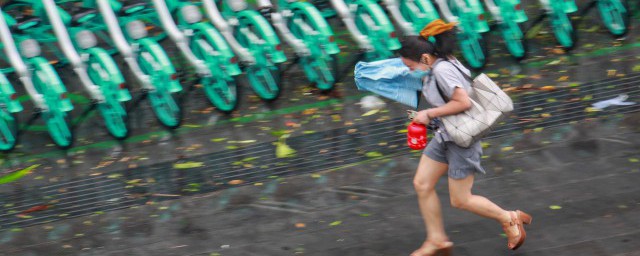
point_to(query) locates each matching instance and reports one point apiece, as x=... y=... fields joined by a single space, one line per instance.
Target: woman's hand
x=422 y=117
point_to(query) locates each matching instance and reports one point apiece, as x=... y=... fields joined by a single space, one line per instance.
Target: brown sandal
x=441 y=249
x=518 y=219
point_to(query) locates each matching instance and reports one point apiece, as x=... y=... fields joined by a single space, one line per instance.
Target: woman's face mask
x=419 y=73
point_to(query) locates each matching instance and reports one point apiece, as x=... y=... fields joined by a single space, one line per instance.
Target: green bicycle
x=95 y=68
x=204 y=48
x=369 y=26
x=470 y=14
x=509 y=15
x=40 y=79
x=303 y=27
x=411 y=15
x=146 y=59
x=254 y=41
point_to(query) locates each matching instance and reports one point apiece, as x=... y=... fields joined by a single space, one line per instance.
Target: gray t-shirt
x=449 y=78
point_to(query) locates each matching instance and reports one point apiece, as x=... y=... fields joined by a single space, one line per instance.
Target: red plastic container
x=416 y=136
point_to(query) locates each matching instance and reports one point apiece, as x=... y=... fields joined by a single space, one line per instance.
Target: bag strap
x=463 y=73
x=445 y=98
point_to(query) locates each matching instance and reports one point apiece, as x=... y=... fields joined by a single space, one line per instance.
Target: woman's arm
x=459 y=103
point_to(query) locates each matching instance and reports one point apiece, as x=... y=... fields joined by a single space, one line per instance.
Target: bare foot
x=430 y=248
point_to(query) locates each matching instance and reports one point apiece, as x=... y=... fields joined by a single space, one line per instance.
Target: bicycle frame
x=369 y=26
x=302 y=26
x=204 y=48
x=471 y=24
x=260 y=51
x=39 y=78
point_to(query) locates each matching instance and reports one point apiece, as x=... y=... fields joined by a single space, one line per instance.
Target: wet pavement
x=216 y=186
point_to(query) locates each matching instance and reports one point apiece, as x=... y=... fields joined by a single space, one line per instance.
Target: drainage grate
x=316 y=152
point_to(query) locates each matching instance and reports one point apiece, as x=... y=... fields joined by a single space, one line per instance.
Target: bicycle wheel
x=115 y=119
x=321 y=73
x=59 y=128
x=162 y=102
x=563 y=30
x=45 y=80
x=473 y=49
x=112 y=111
x=220 y=88
x=8 y=130
x=263 y=82
x=514 y=39
x=615 y=16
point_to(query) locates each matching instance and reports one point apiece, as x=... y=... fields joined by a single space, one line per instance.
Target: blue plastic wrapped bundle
x=389 y=78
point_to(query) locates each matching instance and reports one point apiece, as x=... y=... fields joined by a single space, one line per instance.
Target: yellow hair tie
x=436 y=27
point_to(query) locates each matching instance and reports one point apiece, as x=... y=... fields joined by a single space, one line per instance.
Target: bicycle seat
x=132 y=6
x=80 y=15
x=25 y=22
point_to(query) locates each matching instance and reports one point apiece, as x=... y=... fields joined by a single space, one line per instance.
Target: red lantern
x=416 y=136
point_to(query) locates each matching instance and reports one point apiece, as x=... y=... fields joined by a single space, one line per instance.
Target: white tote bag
x=489 y=104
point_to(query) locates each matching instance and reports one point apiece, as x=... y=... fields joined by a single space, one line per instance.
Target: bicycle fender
x=54 y=82
x=161 y=57
x=217 y=41
x=383 y=21
x=319 y=23
x=266 y=32
x=114 y=71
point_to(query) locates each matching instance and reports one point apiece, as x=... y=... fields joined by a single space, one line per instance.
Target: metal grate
x=315 y=152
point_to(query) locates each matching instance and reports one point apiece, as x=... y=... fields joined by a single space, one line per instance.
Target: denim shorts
x=462 y=161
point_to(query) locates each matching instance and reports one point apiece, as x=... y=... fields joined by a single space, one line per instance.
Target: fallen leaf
x=634 y=160
x=300 y=225
x=283 y=150
x=188 y=165
x=555 y=207
x=371 y=112
x=505 y=149
x=36 y=208
x=17 y=174
x=548 y=88
x=373 y=154
x=335 y=223
x=563 y=78
x=235 y=182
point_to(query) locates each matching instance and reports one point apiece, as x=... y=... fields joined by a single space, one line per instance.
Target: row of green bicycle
x=221 y=39
x=374 y=32
x=87 y=34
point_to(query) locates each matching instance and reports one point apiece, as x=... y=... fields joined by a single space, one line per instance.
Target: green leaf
x=218 y=139
x=555 y=207
x=373 y=154
x=188 y=165
x=335 y=223
x=371 y=112
x=283 y=150
x=17 y=174
x=634 y=160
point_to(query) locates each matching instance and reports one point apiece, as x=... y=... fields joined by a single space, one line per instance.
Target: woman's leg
x=512 y=222
x=461 y=198
x=428 y=173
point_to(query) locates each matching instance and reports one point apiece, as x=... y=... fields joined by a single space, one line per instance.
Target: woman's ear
x=424 y=58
